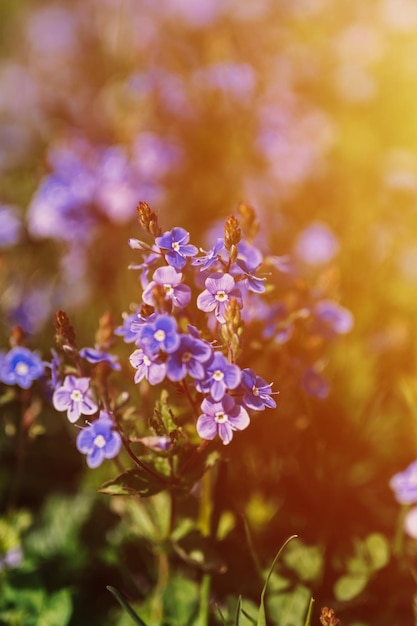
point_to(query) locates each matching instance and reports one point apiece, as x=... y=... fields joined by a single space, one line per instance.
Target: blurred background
x=304 y=109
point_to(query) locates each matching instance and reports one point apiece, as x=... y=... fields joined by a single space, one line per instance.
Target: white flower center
x=221 y=417
x=186 y=357
x=76 y=395
x=169 y=290
x=176 y=246
x=221 y=296
x=160 y=335
x=21 y=368
x=218 y=375
x=255 y=391
x=99 y=441
x=146 y=360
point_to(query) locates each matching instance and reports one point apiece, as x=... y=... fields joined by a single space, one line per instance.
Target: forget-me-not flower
x=220 y=288
x=75 y=397
x=221 y=418
x=258 y=392
x=99 y=441
x=161 y=334
x=175 y=246
x=20 y=366
x=190 y=357
x=168 y=278
x=147 y=366
x=220 y=376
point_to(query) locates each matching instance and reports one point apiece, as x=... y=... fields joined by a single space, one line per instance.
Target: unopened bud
x=232 y=234
x=65 y=334
x=248 y=220
x=148 y=219
x=104 y=334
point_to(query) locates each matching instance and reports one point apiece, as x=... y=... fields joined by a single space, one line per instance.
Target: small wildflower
x=75 y=397
x=221 y=418
x=257 y=391
x=92 y=355
x=161 y=334
x=176 y=248
x=315 y=384
x=147 y=366
x=404 y=484
x=20 y=366
x=190 y=358
x=170 y=280
x=219 y=289
x=99 y=441
x=219 y=377
x=209 y=257
x=333 y=318
x=124 y=330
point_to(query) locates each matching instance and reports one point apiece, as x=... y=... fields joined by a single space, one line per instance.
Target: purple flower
x=125 y=330
x=10 y=226
x=170 y=280
x=92 y=355
x=99 y=441
x=220 y=376
x=189 y=358
x=20 y=367
x=404 y=484
x=147 y=366
x=220 y=288
x=75 y=397
x=161 y=334
x=334 y=318
x=257 y=391
x=315 y=384
x=316 y=245
x=252 y=282
x=221 y=418
x=209 y=257
x=175 y=245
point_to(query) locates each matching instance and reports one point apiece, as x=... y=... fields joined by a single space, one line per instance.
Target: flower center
x=99 y=441
x=146 y=360
x=221 y=417
x=169 y=290
x=21 y=368
x=159 y=335
x=221 y=296
x=186 y=357
x=218 y=375
x=176 y=246
x=255 y=391
x=76 y=395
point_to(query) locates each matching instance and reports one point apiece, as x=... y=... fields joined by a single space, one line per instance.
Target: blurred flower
x=316 y=245
x=333 y=318
x=10 y=226
x=99 y=441
x=92 y=355
x=20 y=367
x=315 y=384
x=75 y=397
x=410 y=522
x=237 y=79
x=404 y=485
x=221 y=418
x=13 y=558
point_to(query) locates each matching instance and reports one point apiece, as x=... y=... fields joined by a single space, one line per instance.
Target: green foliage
x=34 y=606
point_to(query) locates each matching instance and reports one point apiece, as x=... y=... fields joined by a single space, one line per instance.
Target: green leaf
x=126 y=606
x=134 y=482
x=306 y=561
x=350 y=586
x=289 y=608
x=57 y=609
x=378 y=549
x=261 y=615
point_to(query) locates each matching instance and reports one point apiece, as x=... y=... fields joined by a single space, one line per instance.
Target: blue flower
x=315 y=384
x=21 y=367
x=75 y=397
x=333 y=319
x=92 y=355
x=99 y=441
x=220 y=376
x=170 y=280
x=404 y=484
x=189 y=358
x=125 y=330
x=209 y=257
x=147 y=366
x=161 y=334
x=11 y=226
x=175 y=245
x=221 y=418
x=220 y=288
x=257 y=391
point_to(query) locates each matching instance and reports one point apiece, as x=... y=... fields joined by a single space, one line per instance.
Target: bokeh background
x=305 y=109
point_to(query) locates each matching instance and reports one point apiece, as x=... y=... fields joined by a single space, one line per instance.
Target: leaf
x=350 y=586
x=134 y=482
x=378 y=549
x=306 y=561
x=126 y=606
x=289 y=608
x=261 y=614
x=58 y=609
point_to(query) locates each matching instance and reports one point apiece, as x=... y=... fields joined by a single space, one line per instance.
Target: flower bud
x=232 y=233
x=148 y=219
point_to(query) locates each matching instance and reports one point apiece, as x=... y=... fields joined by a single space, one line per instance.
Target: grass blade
x=126 y=606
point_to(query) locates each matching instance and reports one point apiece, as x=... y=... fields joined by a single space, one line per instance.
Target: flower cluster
x=169 y=346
